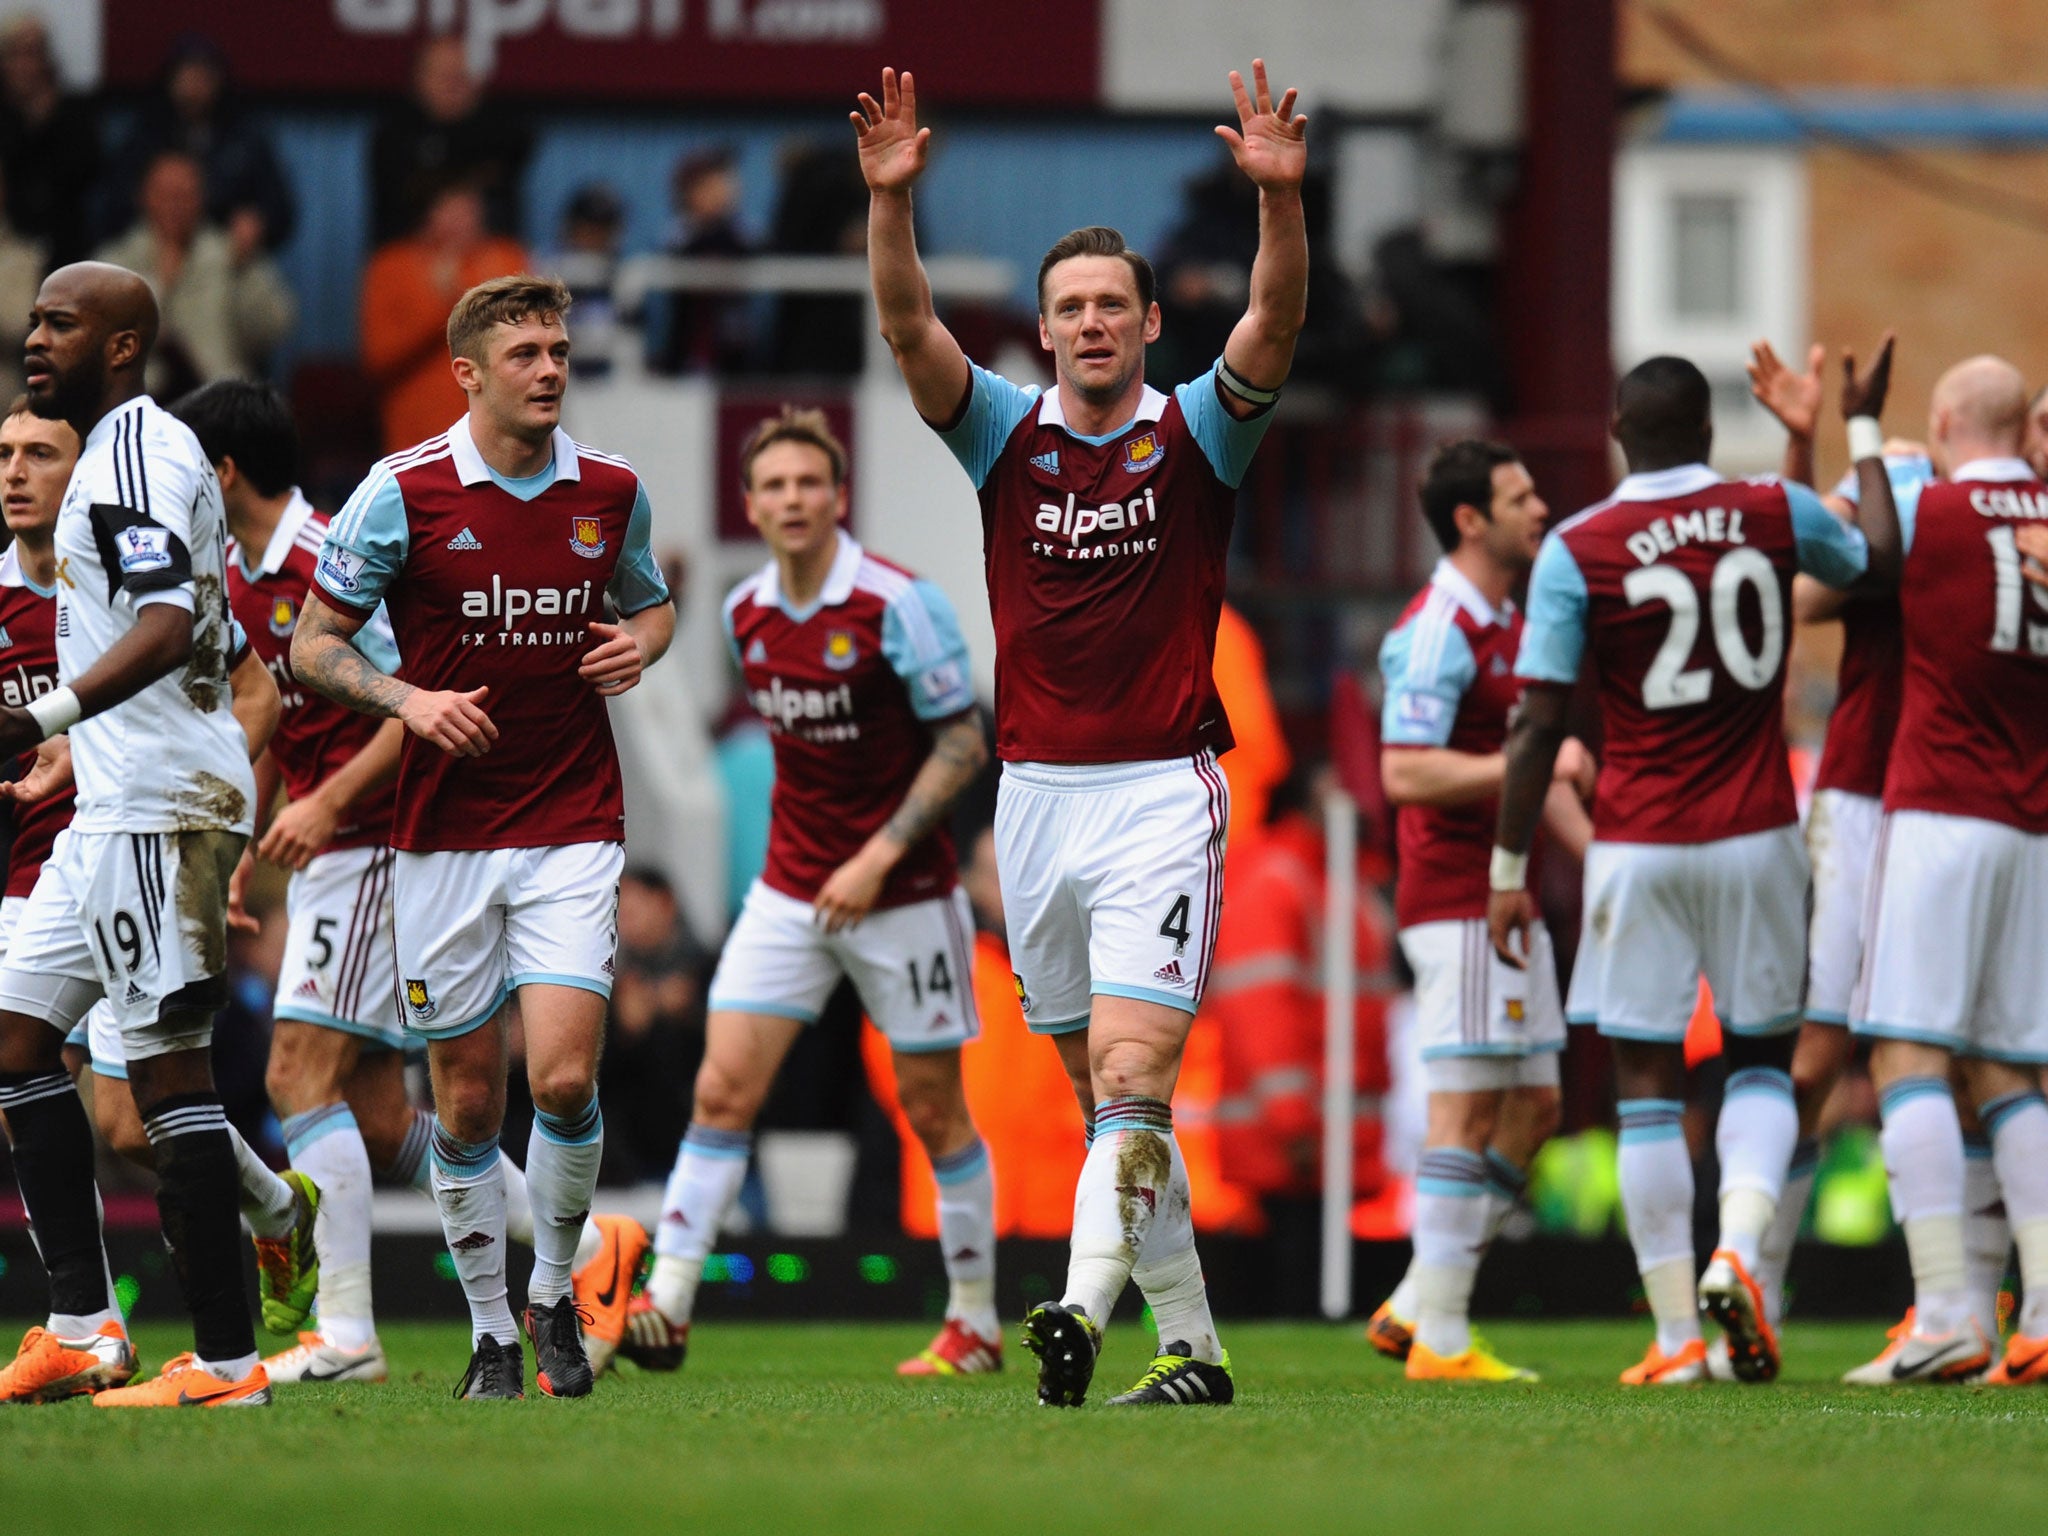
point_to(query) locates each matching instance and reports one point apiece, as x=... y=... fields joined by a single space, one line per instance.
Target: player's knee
x=563 y=1089
x=1134 y=1067
x=936 y=1118
x=121 y=1128
x=1537 y=1113
x=723 y=1101
x=469 y=1109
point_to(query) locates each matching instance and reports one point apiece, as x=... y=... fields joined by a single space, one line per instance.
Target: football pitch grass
x=803 y=1428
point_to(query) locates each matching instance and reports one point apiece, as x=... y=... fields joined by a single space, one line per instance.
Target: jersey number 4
x=1670 y=684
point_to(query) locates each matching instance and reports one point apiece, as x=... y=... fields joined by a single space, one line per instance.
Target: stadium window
x=1710 y=252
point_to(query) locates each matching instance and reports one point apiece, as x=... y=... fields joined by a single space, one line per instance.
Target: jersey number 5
x=1670 y=684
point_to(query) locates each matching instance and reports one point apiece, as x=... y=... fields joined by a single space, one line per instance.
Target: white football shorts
x=1841 y=835
x=96 y=1034
x=474 y=924
x=912 y=965
x=136 y=918
x=340 y=969
x=1473 y=1011
x=1955 y=949
x=1112 y=882
x=1661 y=915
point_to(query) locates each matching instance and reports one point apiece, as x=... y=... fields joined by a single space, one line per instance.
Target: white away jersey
x=142 y=523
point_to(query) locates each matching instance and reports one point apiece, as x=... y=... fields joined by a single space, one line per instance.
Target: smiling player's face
x=520 y=383
x=792 y=500
x=1094 y=325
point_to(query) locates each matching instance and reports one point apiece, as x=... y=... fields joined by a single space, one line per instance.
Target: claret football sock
x=53 y=1157
x=1758 y=1128
x=967 y=1235
x=561 y=1179
x=1124 y=1183
x=1656 y=1196
x=1169 y=1272
x=469 y=1187
x=711 y=1165
x=326 y=1146
x=1923 y=1160
x=197 y=1195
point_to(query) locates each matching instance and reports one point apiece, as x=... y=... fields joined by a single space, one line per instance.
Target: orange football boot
x=1390 y=1335
x=2025 y=1363
x=48 y=1369
x=184 y=1384
x=604 y=1287
x=1657 y=1369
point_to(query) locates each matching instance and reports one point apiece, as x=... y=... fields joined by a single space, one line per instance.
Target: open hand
x=1269 y=143
x=616 y=663
x=1864 y=396
x=1794 y=398
x=892 y=146
x=49 y=774
x=298 y=832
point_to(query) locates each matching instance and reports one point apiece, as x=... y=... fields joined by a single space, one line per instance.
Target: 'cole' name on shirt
x=510 y=604
x=784 y=707
x=1706 y=525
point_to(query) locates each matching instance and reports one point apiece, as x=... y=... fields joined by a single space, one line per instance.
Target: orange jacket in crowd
x=1259 y=762
x=405 y=332
x=1266 y=1000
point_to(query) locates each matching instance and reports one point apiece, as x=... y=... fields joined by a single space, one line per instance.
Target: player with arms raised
x=493 y=545
x=1954 y=964
x=859 y=669
x=1106 y=510
x=1678 y=588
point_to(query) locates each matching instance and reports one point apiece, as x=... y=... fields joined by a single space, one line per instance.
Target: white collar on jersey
x=1151 y=406
x=471 y=469
x=104 y=427
x=1469 y=597
x=838 y=585
x=296 y=511
x=11 y=573
x=1997 y=471
x=1663 y=484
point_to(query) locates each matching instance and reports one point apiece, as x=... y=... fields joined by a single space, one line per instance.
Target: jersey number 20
x=1670 y=684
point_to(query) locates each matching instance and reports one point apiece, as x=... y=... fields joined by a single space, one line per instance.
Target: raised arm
x=1794 y=398
x=1877 y=513
x=892 y=157
x=1270 y=145
x=325 y=661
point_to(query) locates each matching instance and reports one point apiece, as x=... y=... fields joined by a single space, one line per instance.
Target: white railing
x=1340 y=1039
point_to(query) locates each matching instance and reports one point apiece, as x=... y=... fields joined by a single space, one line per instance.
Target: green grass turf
x=804 y=1429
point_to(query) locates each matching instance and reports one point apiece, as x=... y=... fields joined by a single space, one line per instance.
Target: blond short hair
x=503 y=301
x=793 y=426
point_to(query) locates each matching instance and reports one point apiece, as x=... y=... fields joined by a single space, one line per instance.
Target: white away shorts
x=912 y=965
x=1661 y=915
x=1112 y=882
x=1472 y=1007
x=1841 y=836
x=1955 y=949
x=340 y=969
x=474 y=924
x=96 y=1034
x=136 y=918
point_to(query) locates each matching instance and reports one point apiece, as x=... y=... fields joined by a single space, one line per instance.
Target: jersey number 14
x=1670 y=684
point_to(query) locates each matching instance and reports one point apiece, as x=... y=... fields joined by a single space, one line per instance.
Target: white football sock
x=1451 y=1216
x=1656 y=1196
x=1987 y=1233
x=1774 y=1253
x=1758 y=1128
x=469 y=1188
x=266 y=1198
x=2017 y=1124
x=412 y=1167
x=229 y=1370
x=518 y=1202
x=561 y=1177
x=1123 y=1184
x=1402 y=1303
x=1923 y=1162
x=1505 y=1182
x=967 y=1236
x=1169 y=1272
x=327 y=1147
x=711 y=1165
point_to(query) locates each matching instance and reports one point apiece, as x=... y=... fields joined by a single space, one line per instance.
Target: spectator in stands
x=224 y=306
x=194 y=111
x=22 y=266
x=444 y=132
x=823 y=211
x=408 y=289
x=49 y=144
x=706 y=332
x=589 y=263
x=654 y=1035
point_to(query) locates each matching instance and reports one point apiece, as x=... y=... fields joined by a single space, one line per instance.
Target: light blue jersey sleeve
x=731 y=605
x=238 y=642
x=378 y=642
x=366 y=544
x=1425 y=667
x=1227 y=443
x=1554 y=638
x=1910 y=474
x=994 y=407
x=1830 y=550
x=637 y=582
x=922 y=641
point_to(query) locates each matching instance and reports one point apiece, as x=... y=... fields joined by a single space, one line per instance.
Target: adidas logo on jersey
x=1170 y=972
x=465 y=540
x=6 y=640
x=757 y=653
x=134 y=995
x=1049 y=462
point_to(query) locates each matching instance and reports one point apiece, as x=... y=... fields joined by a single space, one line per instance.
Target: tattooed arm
x=325 y=661
x=958 y=754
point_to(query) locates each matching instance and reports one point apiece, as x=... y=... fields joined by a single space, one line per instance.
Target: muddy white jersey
x=142 y=523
